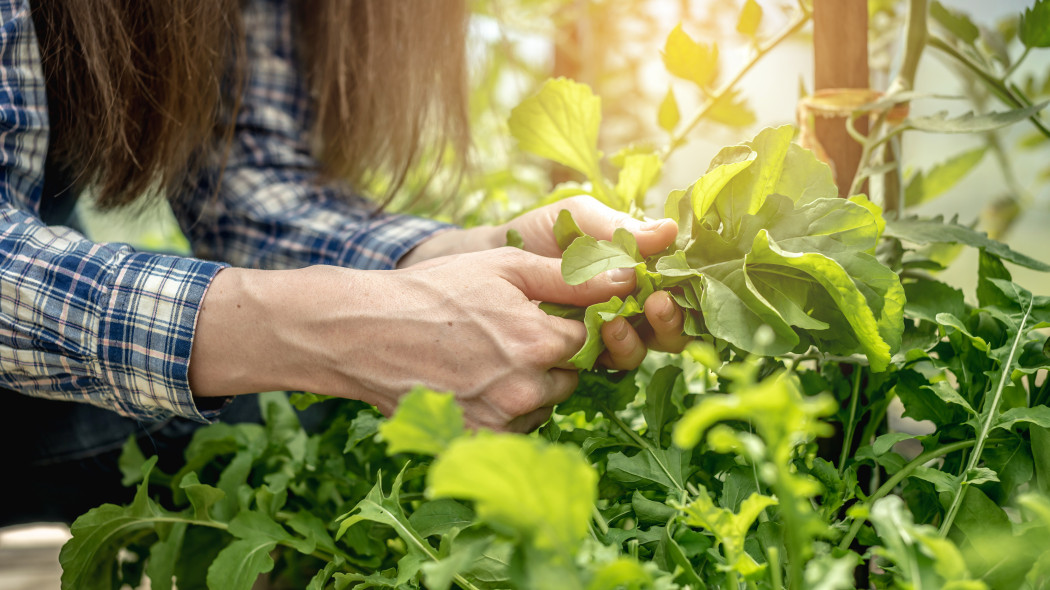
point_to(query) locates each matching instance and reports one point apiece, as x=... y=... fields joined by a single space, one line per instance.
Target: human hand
x=626 y=346
x=465 y=323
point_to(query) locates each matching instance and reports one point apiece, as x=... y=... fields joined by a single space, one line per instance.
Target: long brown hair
x=136 y=88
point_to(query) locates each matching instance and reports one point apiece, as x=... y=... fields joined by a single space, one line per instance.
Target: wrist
x=235 y=346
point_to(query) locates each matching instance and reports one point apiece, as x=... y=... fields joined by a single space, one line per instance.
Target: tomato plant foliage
x=762 y=457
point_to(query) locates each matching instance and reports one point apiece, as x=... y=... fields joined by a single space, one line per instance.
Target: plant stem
x=996 y=86
x=776 y=576
x=1013 y=67
x=847 y=443
x=993 y=412
x=892 y=482
x=678 y=139
x=642 y=443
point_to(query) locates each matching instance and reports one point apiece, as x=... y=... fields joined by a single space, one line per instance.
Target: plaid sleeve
x=80 y=321
x=271 y=208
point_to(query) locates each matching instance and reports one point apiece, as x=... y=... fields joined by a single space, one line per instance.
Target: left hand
x=625 y=346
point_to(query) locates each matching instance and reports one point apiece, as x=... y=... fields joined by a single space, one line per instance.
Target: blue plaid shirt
x=106 y=325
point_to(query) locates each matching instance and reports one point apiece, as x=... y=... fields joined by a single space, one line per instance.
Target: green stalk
x=898 y=477
x=678 y=139
x=993 y=412
x=794 y=536
x=851 y=425
x=642 y=443
x=996 y=86
x=775 y=575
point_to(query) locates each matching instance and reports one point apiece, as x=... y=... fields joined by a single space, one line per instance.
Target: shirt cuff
x=149 y=315
x=384 y=239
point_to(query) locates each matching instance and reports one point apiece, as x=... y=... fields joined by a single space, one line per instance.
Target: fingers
x=531 y=421
x=624 y=349
x=666 y=322
x=539 y=278
x=597 y=220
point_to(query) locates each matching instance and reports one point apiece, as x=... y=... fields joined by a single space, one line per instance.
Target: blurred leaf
x=957 y=23
x=668 y=115
x=937 y=230
x=924 y=187
x=425 y=422
x=732 y=110
x=971 y=123
x=638 y=174
x=750 y=18
x=560 y=123
x=521 y=486
x=685 y=58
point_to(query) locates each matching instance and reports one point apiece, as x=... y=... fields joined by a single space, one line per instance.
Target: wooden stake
x=840 y=43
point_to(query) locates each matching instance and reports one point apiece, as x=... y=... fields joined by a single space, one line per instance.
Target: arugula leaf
x=971 y=123
x=938 y=231
x=1034 y=30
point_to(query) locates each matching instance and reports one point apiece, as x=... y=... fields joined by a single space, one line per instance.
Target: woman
x=252 y=119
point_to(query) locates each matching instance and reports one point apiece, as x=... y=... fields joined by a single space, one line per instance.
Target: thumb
x=539 y=278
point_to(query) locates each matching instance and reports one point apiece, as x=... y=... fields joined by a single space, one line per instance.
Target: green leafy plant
x=768 y=455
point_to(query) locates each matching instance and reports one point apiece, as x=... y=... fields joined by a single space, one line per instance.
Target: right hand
x=466 y=323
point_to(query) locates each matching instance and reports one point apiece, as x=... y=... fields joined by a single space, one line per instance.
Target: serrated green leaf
x=201 y=496
x=560 y=123
x=685 y=58
x=927 y=298
x=439 y=517
x=971 y=123
x=425 y=422
x=163 y=556
x=659 y=409
x=1038 y=416
x=668 y=116
x=1034 y=30
x=363 y=427
x=924 y=187
x=937 y=231
x=99 y=535
x=239 y=564
x=659 y=466
x=521 y=486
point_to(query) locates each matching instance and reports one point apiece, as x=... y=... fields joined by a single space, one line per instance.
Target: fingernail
x=620 y=331
x=666 y=313
x=620 y=275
